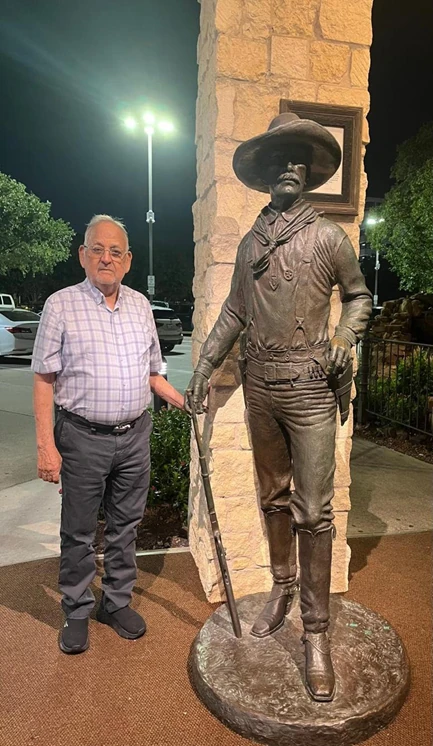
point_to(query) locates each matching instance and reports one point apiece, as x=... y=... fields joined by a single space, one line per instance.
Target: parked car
x=37 y=307
x=168 y=326
x=17 y=331
x=185 y=311
x=6 y=301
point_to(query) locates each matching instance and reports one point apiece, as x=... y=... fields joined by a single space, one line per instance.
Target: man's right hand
x=197 y=389
x=49 y=464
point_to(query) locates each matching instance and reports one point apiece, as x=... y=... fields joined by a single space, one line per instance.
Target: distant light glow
x=149 y=118
x=374 y=221
x=130 y=123
x=149 y=130
x=166 y=126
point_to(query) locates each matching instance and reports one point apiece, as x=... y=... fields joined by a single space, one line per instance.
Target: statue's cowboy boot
x=315 y=555
x=282 y=550
x=319 y=673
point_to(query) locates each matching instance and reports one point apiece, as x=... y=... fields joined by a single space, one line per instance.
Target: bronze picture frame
x=341 y=194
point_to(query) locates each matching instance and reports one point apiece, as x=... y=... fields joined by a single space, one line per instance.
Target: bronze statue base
x=256 y=686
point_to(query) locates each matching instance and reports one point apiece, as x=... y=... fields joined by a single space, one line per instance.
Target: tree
x=31 y=241
x=403 y=230
x=174 y=275
x=173 y=269
x=33 y=289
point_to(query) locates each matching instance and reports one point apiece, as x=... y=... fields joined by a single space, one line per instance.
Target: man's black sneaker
x=74 y=636
x=126 y=622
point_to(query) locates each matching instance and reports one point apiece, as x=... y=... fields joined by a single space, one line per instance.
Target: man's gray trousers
x=112 y=470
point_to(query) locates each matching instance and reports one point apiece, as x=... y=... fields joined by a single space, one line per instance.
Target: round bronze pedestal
x=256 y=686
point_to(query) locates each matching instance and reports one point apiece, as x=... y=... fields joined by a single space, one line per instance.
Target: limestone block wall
x=251 y=54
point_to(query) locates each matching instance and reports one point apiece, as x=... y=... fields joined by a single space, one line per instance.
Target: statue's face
x=286 y=175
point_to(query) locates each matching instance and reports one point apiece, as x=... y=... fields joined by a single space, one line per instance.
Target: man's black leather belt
x=95 y=427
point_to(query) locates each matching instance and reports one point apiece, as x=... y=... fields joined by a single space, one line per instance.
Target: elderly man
x=285 y=270
x=97 y=357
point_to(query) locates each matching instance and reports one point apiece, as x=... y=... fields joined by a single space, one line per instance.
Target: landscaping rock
x=406 y=319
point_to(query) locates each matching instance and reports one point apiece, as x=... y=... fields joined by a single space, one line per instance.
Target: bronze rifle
x=214 y=525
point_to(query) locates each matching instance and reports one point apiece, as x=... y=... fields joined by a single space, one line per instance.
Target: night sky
x=70 y=70
x=401 y=81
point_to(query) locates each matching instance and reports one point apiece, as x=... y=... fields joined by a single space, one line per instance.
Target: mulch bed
x=161 y=528
x=412 y=444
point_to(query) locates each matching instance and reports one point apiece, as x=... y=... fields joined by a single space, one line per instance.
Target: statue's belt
x=279 y=372
x=288 y=372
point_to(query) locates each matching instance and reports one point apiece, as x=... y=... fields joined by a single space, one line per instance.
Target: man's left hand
x=339 y=355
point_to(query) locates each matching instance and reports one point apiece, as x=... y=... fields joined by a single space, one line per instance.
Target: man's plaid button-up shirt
x=102 y=357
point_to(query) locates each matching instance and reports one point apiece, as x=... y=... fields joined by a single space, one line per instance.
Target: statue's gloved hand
x=197 y=389
x=339 y=355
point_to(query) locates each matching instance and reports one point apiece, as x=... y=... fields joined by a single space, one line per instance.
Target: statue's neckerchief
x=268 y=234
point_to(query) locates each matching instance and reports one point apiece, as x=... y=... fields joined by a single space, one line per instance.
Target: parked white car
x=6 y=301
x=168 y=326
x=17 y=331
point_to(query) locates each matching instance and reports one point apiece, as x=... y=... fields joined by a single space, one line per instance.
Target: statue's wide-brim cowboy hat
x=285 y=133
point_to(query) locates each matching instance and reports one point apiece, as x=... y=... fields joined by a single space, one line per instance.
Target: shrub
x=170 y=454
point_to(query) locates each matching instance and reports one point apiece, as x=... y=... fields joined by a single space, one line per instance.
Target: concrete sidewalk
x=29 y=522
x=391 y=493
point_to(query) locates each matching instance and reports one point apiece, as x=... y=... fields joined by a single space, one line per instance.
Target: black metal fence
x=395 y=383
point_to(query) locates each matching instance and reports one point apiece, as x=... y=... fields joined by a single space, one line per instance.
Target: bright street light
x=166 y=127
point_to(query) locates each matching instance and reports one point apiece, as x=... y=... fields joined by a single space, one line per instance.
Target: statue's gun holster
x=341 y=385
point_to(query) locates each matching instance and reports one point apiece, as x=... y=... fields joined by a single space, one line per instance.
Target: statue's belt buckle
x=280 y=372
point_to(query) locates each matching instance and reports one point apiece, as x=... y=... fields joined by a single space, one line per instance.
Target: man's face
x=286 y=174
x=105 y=269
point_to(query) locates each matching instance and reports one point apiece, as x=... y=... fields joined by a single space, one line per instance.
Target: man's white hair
x=105 y=219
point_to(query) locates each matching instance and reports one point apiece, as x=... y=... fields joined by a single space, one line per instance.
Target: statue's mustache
x=288 y=177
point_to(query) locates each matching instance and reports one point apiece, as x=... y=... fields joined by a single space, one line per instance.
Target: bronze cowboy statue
x=286 y=267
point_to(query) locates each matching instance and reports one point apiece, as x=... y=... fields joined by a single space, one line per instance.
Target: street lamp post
x=376 y=281
x=150 y=124
x=374 y=221
x=150 y=215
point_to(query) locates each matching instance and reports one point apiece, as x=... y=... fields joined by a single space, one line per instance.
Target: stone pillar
x=251 y=54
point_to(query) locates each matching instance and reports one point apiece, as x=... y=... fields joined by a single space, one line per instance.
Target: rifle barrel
x=231 y=603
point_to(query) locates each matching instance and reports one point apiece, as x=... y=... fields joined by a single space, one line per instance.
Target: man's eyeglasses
x=97 y=251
